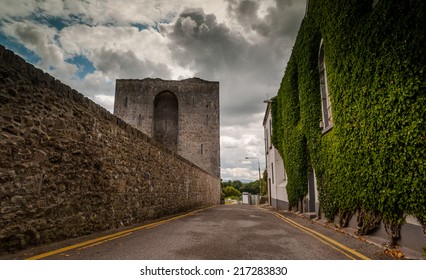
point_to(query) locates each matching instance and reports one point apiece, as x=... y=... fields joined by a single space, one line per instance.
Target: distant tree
x=237 y=184
x=231 y=192
x=225 y=184
x=252 y=187
x=222 y=198
x=264 y=190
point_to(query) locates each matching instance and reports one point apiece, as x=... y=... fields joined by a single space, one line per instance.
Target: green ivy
x=373 y=159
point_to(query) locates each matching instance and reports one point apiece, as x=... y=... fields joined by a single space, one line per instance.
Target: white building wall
x=280 y=180
x=277 y=177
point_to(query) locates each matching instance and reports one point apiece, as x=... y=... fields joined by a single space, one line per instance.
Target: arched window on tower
x=327 y=116
x=166 y=117
x=140 y=119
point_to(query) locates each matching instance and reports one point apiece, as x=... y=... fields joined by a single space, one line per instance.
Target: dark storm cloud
x=127 y=65
x=30 y=34
x=213 y=50
x=206 y=46
x=278 y=27
x=247 y=70
x=280 y=20
x=244 y=11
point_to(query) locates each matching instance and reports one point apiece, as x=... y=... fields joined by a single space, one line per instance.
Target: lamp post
x=258 y=165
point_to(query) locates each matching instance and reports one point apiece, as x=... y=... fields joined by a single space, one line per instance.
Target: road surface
x=225 y=232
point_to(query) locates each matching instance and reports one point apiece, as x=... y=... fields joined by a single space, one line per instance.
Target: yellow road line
x=112 y=236
x=97 y=243
x=324 y=239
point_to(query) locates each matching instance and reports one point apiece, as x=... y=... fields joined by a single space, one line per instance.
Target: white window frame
x=327 y=115
x=307 y=8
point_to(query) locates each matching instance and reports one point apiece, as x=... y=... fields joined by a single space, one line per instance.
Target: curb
x=379 y=242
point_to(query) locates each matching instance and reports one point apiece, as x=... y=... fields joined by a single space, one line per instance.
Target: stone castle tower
x=183 y=115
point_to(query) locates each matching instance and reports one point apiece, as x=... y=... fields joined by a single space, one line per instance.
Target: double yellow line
x=100 y=240
x=348 y=252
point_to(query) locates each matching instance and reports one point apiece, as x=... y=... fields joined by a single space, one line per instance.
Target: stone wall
x=68 y=167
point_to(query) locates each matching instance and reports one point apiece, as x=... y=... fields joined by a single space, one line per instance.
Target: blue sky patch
x=140 y=26
x=59 y=23
x=19 y=49
x=84 y=65
x=56 y=22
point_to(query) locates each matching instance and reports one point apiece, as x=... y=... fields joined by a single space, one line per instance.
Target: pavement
x=397 y=253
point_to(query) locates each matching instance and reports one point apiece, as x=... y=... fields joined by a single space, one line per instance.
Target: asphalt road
x=222 y=232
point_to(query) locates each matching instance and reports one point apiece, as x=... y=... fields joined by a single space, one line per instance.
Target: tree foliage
x=231 y=192
x=251 y=187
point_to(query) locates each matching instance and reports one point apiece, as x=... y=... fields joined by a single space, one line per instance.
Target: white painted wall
x=277 y=177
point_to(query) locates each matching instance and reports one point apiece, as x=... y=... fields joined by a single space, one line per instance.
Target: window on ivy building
x=327 y=116
x=270 y=134
x=307 y=7
x=375 y=3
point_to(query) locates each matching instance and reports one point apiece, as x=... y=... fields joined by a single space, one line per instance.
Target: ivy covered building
x=349 y=117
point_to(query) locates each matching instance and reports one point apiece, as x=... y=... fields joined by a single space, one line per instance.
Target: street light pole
x=258 y=166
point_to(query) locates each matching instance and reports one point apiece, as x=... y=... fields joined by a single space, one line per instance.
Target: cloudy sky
x=243 y=44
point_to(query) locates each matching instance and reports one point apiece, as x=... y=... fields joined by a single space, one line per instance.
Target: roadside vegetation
x=234 y=189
